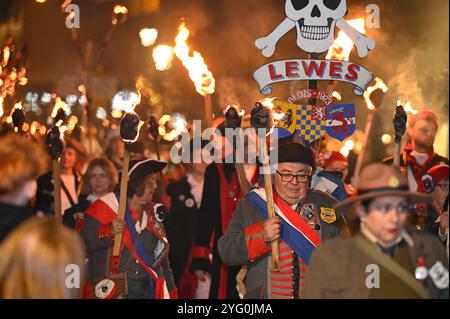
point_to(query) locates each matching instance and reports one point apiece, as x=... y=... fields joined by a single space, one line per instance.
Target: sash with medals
x=295 y=231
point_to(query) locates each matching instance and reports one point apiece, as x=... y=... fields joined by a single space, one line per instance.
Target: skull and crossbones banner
x=315 y=22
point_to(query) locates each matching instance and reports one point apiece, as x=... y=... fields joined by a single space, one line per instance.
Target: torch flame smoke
x=342 y=45
x=198 y=70
x=379 y=84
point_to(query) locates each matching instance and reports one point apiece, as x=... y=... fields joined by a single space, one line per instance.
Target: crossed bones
x=268 y=44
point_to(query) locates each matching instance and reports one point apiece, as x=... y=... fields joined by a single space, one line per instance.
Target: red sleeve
x=104 y=231
x=254 y=240
x=174 y=294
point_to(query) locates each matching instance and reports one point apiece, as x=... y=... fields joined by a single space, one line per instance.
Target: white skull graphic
x=315 y=22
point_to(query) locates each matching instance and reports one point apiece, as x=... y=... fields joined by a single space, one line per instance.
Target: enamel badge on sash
x=327 y=215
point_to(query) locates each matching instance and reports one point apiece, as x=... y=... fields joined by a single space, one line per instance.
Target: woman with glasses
x=304 y=218
x=436 y=183
x=383 y=260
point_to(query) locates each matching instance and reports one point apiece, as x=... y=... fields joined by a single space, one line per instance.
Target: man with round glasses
x=384 y=259
x=304 y=218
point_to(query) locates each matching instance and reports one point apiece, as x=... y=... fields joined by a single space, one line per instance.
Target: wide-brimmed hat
x=139 y=169
x=378 y=180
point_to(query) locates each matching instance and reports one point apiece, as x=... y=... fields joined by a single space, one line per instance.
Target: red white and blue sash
x=295 y=231
x=105 y=210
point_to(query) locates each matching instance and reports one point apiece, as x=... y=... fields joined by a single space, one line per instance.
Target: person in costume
x=304 y=218
x=144 y=247
x=20 y=164
x=436 y=184
x=221 y=193
x=71 y=182
x=384 y=259
x=186 y=197
x=329 y=178
x=419 y=156
x=100 y=179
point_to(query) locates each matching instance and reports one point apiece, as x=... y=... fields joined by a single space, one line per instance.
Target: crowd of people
x=206 y=232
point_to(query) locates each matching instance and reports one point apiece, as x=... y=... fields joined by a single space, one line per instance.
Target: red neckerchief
x=417 y=169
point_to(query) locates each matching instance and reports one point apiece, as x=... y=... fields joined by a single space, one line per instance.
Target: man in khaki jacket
x=383 y=260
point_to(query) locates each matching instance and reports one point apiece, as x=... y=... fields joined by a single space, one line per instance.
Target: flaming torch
x=261 y=118
x=129 y=132
x=342 y=45
x=18 y=117
x=197 y=68
x=153 y=133
x=373 y=97
x=400 y=119
x=163 y=56
x=233 y=119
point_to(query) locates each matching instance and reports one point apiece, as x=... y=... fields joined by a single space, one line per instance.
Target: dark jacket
x=180 y=225
x=12 y=216
x=242 y=245
x=44 y=194
x=99 y=243
x=82 y=205
x=339 y=270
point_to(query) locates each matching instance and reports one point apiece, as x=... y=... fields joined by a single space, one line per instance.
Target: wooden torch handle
x=122 y=200
x=269 y=198
x=57 y=189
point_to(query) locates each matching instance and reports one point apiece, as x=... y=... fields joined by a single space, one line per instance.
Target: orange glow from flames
x=379 y=84
x=195 y=64
x=342 y=45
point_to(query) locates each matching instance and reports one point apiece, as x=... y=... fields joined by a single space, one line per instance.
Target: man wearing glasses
x=304 y=218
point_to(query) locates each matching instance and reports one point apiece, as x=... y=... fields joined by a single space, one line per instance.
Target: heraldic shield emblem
x=341 y=121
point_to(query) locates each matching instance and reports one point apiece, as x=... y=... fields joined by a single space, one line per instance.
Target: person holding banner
x=143 y=260
x=383 y=260
x=304 y=218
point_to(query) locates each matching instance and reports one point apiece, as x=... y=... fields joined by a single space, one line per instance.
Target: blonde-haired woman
x=41 y=259
x=100 y=179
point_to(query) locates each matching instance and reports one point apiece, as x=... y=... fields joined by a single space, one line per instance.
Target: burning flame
x=1 y=106
x=336 y=95
x=408 y=108
x=17 y=106
x=342 y=45
x=198 y=70
x=348 y=146
x=119 y=14
x=148 y=36
x=171 y=126
x=163 y=56
x=240 y=112
x=71 y=123
x=268 y=102
x=59 y=104
x=379 y=84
